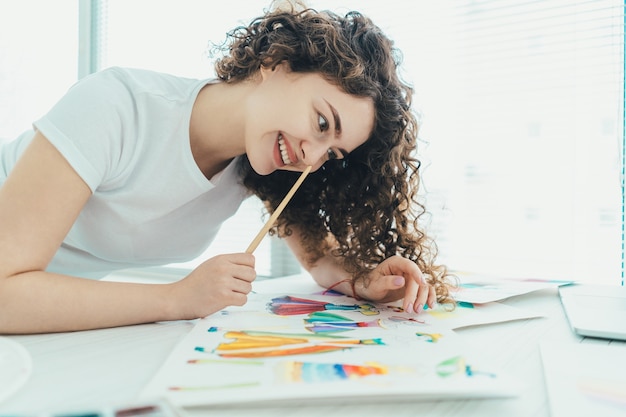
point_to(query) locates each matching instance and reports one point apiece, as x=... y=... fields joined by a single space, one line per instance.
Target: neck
x=216 y=130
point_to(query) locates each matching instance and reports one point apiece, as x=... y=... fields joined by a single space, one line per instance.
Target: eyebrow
x=336 y=118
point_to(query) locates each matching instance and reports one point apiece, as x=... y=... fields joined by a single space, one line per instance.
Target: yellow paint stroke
x=261 y=344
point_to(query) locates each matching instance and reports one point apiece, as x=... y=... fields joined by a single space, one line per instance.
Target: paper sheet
x=320 y=347
x=477 y=289
x=585 y=379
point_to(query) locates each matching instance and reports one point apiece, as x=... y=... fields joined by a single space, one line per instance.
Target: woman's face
x=298 y=119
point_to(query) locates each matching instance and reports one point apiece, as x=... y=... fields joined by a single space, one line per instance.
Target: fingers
x=417 y=296
x=432 y=297
x=425 y=297
x=243 y=273
x=234 y=265
x=410 y=296
x=230 y=275
x=243 y=259
x=417 y=292
x=241 y=286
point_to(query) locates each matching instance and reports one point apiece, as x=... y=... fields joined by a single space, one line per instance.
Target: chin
x=262 y=169
x=289 y=168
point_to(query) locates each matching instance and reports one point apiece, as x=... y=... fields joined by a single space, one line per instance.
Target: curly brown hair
x=367 y=201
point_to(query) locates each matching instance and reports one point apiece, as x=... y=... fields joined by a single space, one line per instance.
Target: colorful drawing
x=250 y=344
x=445 y=312
x=452 y=366
x=412 y=321
x=289 y=306
x=324 y=322
x=282 y=347
x=458 y=366
x=429 y=337
x=311 y=372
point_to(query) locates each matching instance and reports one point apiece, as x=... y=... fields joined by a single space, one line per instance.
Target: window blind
x=538 y=143
x=521 y=109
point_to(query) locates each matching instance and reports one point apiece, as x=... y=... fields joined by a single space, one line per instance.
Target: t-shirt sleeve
x=90 y=124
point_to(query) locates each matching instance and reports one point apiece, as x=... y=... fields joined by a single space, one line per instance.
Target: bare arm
x=39 y=202
x=395 y=278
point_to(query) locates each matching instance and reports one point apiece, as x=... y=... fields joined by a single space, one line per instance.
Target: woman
x=135 y=168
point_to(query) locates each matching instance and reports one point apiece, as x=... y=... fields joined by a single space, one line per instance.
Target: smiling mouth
x=284 y=154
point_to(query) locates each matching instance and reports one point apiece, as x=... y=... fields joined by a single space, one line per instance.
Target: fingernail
x=409 y=308
x=419 y=308
x=399 y=281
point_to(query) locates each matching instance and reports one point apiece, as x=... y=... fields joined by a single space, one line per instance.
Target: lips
x=283 y=147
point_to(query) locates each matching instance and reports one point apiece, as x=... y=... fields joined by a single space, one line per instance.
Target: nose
x=314 y=152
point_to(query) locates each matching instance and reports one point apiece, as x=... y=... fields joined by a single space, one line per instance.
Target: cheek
x=317 y=166
x=264 y=118
x=257 y=126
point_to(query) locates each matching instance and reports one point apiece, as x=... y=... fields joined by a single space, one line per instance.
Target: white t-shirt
x=126 y=133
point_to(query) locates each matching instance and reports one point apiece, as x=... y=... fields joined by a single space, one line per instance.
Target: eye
x=332 y=154
x=322 y=123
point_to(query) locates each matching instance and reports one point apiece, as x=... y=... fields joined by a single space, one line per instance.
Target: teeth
x=283 y=150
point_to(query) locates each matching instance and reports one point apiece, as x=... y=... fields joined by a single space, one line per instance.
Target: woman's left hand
x=398 y=277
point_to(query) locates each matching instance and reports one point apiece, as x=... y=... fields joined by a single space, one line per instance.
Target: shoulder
x=142 y=81
x=134 y=81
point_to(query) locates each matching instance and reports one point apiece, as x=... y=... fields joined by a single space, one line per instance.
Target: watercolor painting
x=251 y=344
x=289 y=306
x=323 y=322
x=298 y=347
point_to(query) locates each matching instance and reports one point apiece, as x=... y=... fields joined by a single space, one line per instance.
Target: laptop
x=595 y=310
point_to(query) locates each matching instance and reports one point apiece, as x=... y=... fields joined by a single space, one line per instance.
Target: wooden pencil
x=268 y=225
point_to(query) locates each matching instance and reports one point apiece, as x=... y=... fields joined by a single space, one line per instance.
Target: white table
x=97 y=368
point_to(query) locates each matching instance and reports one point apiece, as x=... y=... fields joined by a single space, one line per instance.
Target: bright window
x=38 y=59
x=522 y=124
